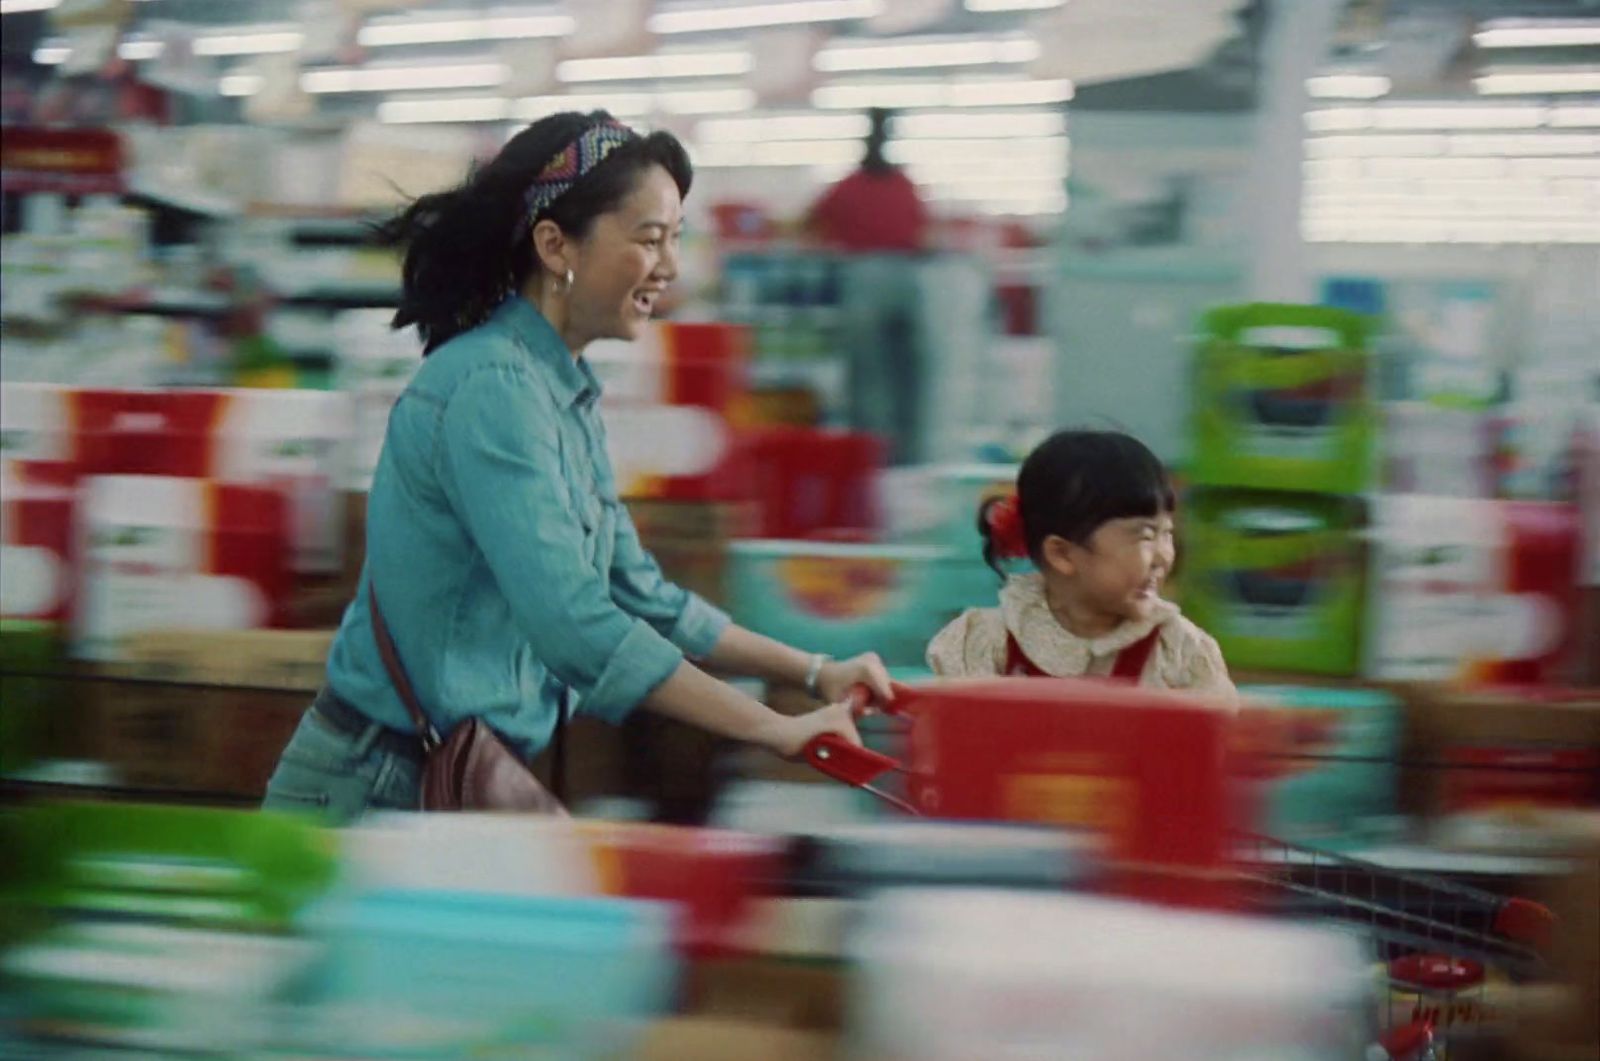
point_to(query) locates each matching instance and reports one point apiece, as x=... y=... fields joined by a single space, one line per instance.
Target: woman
x=508 y=572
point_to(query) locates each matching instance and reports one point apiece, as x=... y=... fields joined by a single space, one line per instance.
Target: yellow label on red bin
x=1084 y=801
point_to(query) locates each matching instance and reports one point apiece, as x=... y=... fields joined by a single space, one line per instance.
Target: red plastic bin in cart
x=809 y=482
x=1166 y=780
x=1146 y=770
x=713 y=877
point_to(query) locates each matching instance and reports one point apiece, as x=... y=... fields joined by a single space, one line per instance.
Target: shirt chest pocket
x=594 y=518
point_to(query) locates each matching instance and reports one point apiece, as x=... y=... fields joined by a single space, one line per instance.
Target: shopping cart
x=1448 y=955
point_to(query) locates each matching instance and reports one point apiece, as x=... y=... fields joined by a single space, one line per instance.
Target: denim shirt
x=508 y=572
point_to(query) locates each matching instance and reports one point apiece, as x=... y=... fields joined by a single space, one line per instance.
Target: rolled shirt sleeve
x=501 y=447
x=638 y=585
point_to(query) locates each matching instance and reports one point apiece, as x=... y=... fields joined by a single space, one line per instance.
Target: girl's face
x=1118 y=574
x=622 y=268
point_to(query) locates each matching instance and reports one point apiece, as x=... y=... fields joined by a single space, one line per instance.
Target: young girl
x=1093 y=511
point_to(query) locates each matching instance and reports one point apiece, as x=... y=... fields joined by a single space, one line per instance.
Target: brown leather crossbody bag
x=470 y=769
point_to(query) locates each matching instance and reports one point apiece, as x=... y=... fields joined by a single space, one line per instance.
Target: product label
x=840 y=587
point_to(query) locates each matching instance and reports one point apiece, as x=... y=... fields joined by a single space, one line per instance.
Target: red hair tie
x=1005 y=527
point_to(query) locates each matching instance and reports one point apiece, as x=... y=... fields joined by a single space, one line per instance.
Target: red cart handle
x=839 y=759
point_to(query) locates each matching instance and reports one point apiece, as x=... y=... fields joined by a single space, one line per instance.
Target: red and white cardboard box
x=164 y=553
x=289 y=439
x=673 y=404
x=1477 y=591
x=36 y=541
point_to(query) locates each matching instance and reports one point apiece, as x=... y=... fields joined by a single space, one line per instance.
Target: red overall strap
x=1018 y=665
x=1129 y=666
x=1131 y=660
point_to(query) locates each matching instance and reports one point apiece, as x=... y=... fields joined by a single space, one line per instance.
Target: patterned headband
x=576 y=160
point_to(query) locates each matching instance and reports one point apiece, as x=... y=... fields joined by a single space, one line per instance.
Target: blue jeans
x=338 y=776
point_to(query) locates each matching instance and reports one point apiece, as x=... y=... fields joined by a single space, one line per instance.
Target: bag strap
x=419 y=718
x=397 y=675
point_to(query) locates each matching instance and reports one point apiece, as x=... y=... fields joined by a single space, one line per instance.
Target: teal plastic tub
x=1339 y=782
x=414 y=974
x=844 y=599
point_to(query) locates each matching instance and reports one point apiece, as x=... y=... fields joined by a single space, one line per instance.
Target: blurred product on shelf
x=1473 y=590
x=1511 y=762
x=1331 y=780
x=844 y=598
x=674 y=404
x=810 y=483
x=37 y=547
x=961 y=973
x=160 y=552
x=292 y=441
x=1438 y=450
x=1276 y=578
x=374 y=365
x=1282 y=400
x=1446 y=339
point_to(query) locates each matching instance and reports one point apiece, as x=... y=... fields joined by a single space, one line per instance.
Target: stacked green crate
x=1285 y=435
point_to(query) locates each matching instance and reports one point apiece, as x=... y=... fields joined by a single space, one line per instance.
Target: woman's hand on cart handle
x=788 y=735
x=839 y=677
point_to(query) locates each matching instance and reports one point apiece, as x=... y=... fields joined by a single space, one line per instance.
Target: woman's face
x=622 y=268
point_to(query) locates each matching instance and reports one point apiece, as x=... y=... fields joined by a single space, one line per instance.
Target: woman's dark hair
x=1075 y=482
x=466 y=249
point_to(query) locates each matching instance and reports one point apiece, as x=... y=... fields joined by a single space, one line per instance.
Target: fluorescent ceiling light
x=1537 y=82
x=1014 y=5
x=927 y=53
x=402 y=78
x=782 y=127
x=52 y=54
x=907 y=95
x=1542 y=33
x=620 y=104
x=746 y=16
x=240 y=84
x=250 y=42
x=651 y=67
x=1452 y=116
x=1348 y=86
x=135 y=51
x=464 y=109
x=935 y=125
x=1017 y=149
x=1524 y=145
x=18 y=7
x=730 y=100
x=940 y=126
x=382 y=33
x=706 y=101
x=1577 y=116
x=1031 y=152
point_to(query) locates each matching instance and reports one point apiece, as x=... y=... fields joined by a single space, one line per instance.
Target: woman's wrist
x=816 y=664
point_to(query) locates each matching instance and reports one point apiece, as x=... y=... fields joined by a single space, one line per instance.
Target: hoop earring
x=568 y=288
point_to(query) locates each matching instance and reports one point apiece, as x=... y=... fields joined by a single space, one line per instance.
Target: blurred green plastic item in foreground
x=199 y=865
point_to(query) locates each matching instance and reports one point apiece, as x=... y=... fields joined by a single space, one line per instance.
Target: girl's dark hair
x=466 y=249
x=1076 y=481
